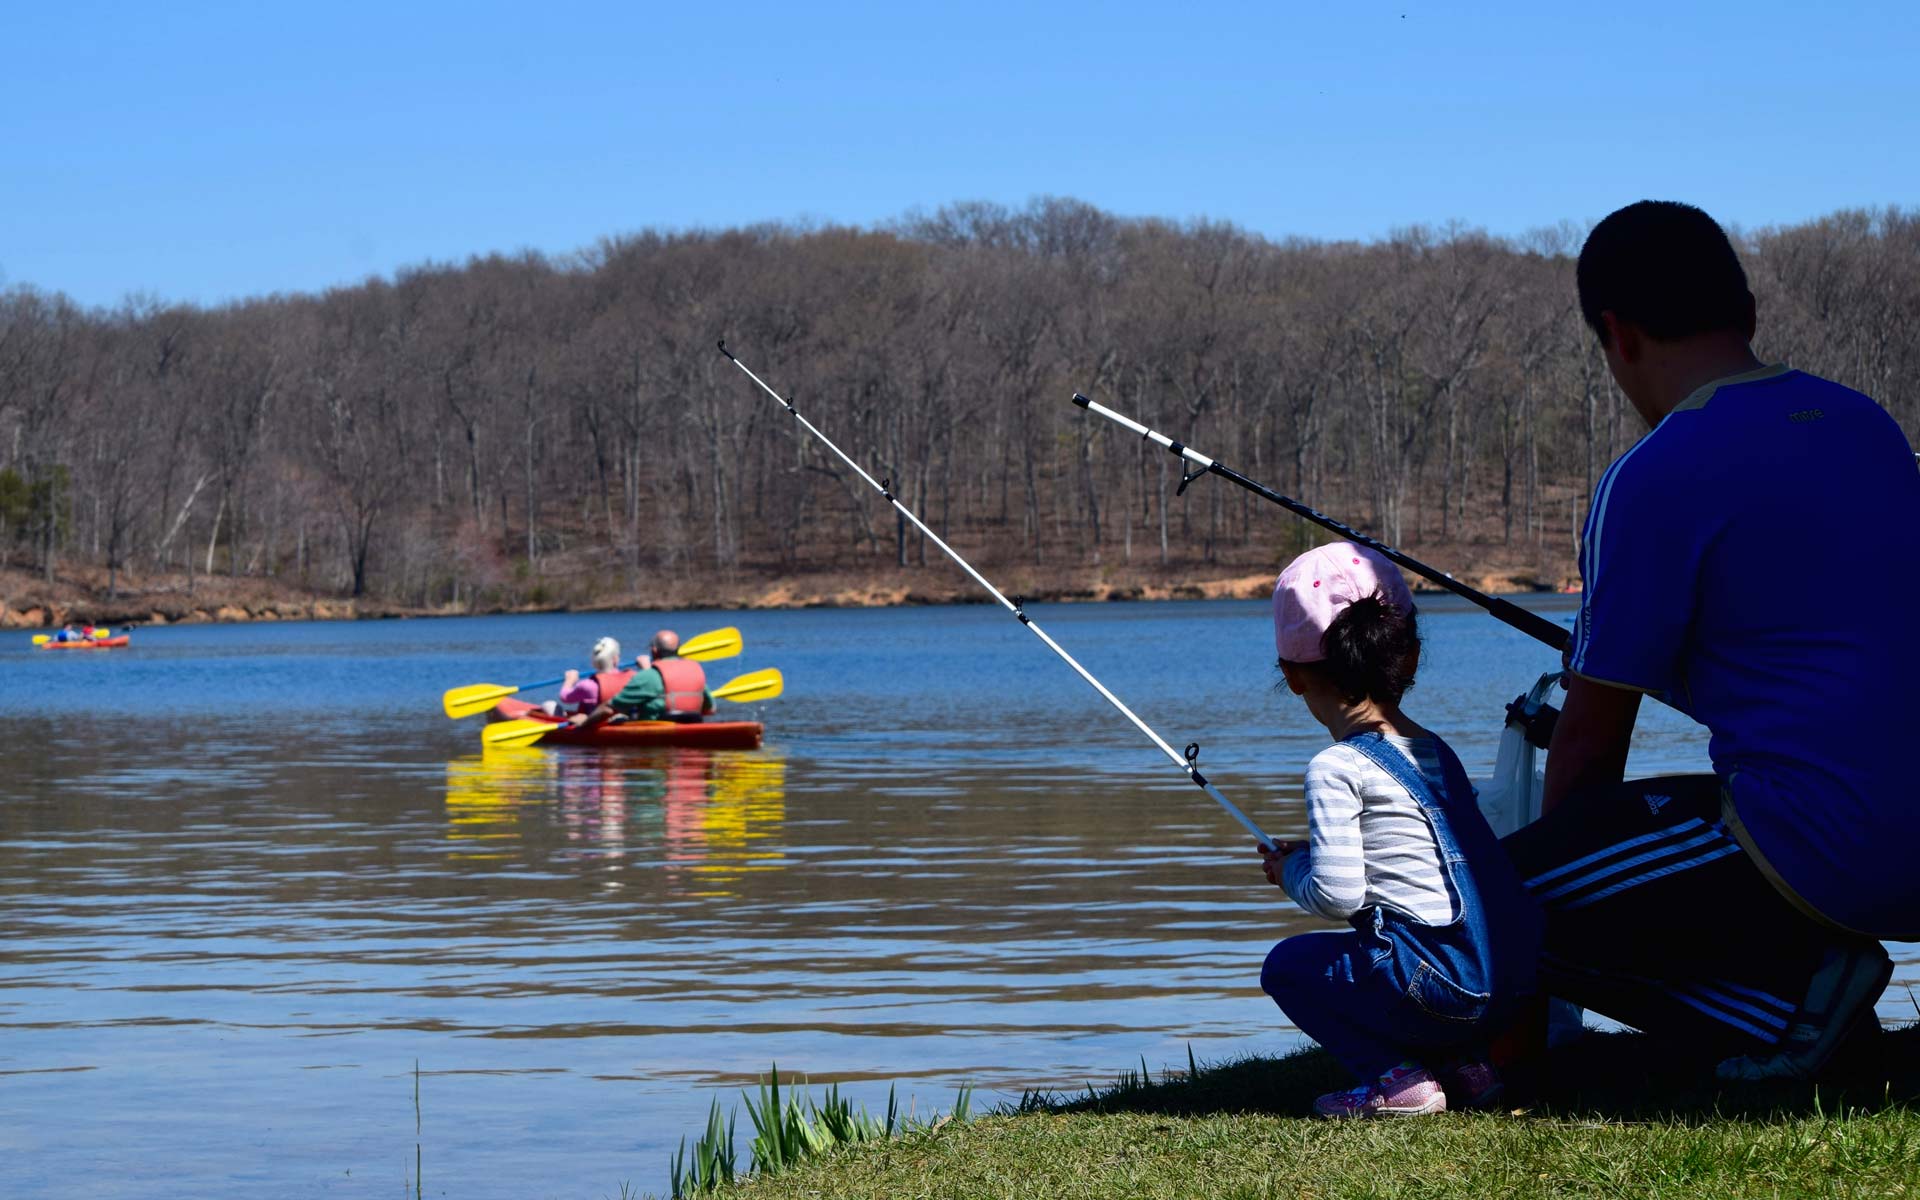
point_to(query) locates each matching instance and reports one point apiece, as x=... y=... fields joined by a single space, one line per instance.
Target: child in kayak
x=1444 y=938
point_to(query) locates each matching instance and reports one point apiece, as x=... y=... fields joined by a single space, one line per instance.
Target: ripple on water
x=235 y=925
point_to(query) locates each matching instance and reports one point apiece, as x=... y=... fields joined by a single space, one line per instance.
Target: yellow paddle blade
x=721 y=643
x=515 y=733
x=41 y=639
x=101 y=635
x=759 y=685
x=474 y=698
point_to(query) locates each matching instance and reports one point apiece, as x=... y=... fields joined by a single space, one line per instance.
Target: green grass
x=715 y=1160
x=1614 y=1115
x=791 y=1131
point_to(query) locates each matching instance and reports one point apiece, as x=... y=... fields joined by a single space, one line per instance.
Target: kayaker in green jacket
x=664 y=687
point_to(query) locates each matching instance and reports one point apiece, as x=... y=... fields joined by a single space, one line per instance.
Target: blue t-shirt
x=1754 y=560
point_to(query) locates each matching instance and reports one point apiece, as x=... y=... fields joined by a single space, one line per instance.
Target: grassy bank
x=1614 y=1115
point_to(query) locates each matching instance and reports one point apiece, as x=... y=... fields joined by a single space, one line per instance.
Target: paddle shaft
x=694 y=651
x=98 y=635
x=1186 y=762
x=1530 y=623
x=476 y=698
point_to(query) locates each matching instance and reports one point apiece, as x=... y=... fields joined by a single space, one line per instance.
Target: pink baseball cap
x=1317 y=587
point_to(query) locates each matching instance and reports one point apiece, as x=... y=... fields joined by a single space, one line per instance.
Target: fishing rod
x=1530 y=623
x=1189 y=762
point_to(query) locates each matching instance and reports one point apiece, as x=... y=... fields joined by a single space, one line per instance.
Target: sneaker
x=1406 y=1091
x=1473 y=1086
x=1522 y=1042
x=1839 y=1001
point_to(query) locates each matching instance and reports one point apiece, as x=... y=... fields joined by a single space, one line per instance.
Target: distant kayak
x=112 y=643
x=710 y=735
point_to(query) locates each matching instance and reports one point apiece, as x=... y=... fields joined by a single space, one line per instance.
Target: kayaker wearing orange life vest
x=662 y=687
x=582 y=694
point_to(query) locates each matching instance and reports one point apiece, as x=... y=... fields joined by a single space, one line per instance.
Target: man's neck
x=1681 y=368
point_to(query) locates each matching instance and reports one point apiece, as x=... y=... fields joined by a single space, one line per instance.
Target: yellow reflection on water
x=734 y=827
x=716 y=816
x=484 y=794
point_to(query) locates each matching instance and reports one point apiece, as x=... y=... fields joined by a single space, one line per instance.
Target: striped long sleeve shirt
x=1369 y=842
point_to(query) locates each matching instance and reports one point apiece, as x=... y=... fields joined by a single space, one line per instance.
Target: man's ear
x=1627 y=339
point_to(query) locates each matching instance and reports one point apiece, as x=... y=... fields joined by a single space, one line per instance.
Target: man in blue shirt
x=1741 y=563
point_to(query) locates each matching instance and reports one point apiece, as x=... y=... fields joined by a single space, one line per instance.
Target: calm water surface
x=250 y=876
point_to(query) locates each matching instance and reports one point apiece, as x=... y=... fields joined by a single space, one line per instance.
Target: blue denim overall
x=1395 y=988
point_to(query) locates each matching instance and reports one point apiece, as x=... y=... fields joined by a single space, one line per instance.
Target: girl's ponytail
x=1373 y=650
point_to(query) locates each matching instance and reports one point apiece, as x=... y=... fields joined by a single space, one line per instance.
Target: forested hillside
x=527 y=429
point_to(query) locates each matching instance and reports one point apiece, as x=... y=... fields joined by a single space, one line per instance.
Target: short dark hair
x=1373 y=651
x=1665 y=266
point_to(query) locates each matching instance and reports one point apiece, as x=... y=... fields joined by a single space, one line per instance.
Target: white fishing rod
x=1188 y=763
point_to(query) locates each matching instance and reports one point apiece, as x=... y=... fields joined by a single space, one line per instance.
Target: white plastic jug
x=1511 y=799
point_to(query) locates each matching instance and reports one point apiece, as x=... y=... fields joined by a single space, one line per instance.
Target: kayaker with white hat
x=581 y=693
x=662 y=687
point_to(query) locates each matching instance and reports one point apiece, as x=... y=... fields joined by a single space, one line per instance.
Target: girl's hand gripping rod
x=1188 y=763
x=1532 y=624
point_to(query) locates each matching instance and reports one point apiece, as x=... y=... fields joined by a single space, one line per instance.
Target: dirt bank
x=80 y=595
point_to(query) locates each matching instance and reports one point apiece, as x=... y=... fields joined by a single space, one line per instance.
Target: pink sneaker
x=1406 y=1091
x=1474 y=1086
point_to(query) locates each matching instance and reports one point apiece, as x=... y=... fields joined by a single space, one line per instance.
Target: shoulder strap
x=1389 y=759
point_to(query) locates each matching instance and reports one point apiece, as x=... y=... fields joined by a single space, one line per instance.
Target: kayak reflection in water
x=710 y=819
x=662 y=687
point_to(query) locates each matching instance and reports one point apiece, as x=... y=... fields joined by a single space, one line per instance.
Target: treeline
x=528 y=426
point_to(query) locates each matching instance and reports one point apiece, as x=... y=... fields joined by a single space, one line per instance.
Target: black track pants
x=1657 y=918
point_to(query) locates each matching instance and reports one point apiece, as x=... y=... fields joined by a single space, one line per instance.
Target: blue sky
x=205 y=152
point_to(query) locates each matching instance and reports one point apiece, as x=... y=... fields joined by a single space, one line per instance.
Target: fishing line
x=1530 y=623
x=1188 y=762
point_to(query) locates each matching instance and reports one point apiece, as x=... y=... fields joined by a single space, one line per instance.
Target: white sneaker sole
x=1864 y=976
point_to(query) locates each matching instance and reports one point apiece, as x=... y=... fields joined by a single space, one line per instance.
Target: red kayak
x=709 y=735
x=112 y=643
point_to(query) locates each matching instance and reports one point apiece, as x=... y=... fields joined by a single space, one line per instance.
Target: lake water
x=250 y=876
